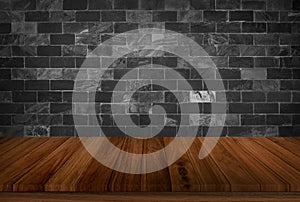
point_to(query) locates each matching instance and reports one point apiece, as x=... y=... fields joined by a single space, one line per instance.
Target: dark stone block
x=185 y=73
x=228 y=4
x=47 y=96
x=254 y=4
x=24 y=97
x=279 y=74
x=37 y=85
x=100 y=4
x=195 y=84
x=162 y=16
x=266 y=108
x=296 y=119
x=279 y=28
x=229 y=27
x=266 y=39
x=231 y=96
x=203 y=4
x=62 y=131
x=279 y=5
x=126 y=4
x=23 y=4
x=178 y=27
x=62 y=62
x=63 y=108
x=296 y=5
x=5 y=120
x=15 y=62
x=24 y=119
x=237 y=108
x=112 y=131
x=278 y=97
x=218 y=108
x=289 y=108
x=74 y=28
x=103 y=97
x=289 y=84
x=266 y=16
x=75 y=51
x=289 y=131
x=278 y=51
x=5 y=74
x=113 y=16
x=62 y=84
x=36 y=16
x=241 y=62
x=295 y=27
x=279 y=120
x=87 y=16
x=124 y=27
x=252 y=50
x=165 y=61
x=241 y=85
x=152 y=5
x=241 y=16
x=253 y=120
x=23 y=50
x=230 y=73
x=266 y=62
x=11 y=85
x=245 y=39
x=75 y=4
x=62 y=16
x=253 y=97
x=109 y=85
x=9 y=108
x=64 y=39
x=49 y=27
x=253 y=27
x=289 y=39
x=5 y=28
x=48 y=50
x=216 y=16
x=37 y=62
x=203 y=27
x=168 y=131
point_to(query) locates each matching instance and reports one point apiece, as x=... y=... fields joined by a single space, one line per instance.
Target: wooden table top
x=235 y=165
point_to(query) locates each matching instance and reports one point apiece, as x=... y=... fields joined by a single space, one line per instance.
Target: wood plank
x=66 y=177
x=159 y=180
x=122 y=181
x=209 y=175
x=16 y=170
x=40 y=174
x=235 y=172
x=289 y=157
x=287 y=143
x=279 y=167
x=20 y=151
x=12 y=143
x=182 y=173
x=4 y=139
x=151 y=197
x=236 y=164
x=263 y=175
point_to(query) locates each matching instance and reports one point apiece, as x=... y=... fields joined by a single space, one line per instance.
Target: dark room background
x=255 y=45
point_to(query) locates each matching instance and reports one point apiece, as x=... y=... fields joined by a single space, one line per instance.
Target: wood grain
x=235 y=165
x=151 y=197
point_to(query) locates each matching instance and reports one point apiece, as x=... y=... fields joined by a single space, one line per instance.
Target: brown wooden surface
x=235 y=165
x=151 y=197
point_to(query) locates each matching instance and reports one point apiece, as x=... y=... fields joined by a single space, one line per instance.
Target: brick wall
x=255 y=45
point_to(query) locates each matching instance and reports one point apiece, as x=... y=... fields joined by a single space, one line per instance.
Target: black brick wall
x=255 y=45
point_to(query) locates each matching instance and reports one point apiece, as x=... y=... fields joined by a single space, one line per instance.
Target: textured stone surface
x=254 y=45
